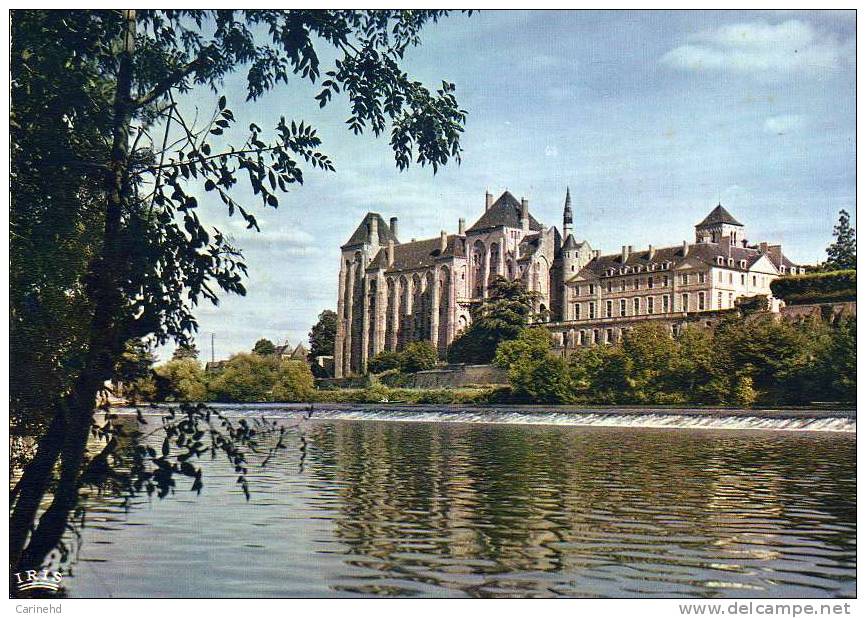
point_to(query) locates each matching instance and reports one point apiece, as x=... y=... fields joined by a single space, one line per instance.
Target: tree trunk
x=105 y=340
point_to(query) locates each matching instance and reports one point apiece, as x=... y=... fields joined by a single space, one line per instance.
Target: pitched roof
x=418 y=254
x=504 y=212
x=362 y=232
x=719 y=215
x=570 y=242
x=704 y=252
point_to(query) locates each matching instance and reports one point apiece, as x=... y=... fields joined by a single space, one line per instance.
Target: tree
x=181 y=380
x=500 y=317
x=534 y=373
x=113 y=81
x=293 y=382
x=842 y=254
x=185 y=351
x=386 y=360
x=323 y=335
x=418 y=356
x=264 y=347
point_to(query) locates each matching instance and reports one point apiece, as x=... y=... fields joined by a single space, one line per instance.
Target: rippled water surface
x=372 y=508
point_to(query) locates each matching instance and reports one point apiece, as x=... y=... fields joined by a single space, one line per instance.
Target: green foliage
x=181 y=380
x=185 y=351
x=264 y=347
x=250 y=378
x=744 y=361
x=293 y=383
x=838 y=285
x=135 y=371
x=501 y=316
x=842 y=254
x=418 y=356
x=323 y=334
x=385 y=360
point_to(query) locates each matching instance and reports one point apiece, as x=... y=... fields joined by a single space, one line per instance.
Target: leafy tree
x=95 y=99
x=500 y=317
x=247 y=378
x=181 y=380
x=532 y=344
x=134 y=371
x=323 y=334
x=842 y=254
x=386 y=360
x=264 y=347
x=534 y=373
x=418 y=356
x=293 y=382
x=185 y=351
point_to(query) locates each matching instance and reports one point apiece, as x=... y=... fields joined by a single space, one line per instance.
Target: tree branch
x=173 y=78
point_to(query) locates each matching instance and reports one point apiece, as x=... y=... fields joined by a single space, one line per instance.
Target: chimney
x=394 y=227
x=596 y=253
x=625 y=253
x=764 y=247
x=461 y=226
x=685 y=248
x=524 y=214
x=651 y=253
x=443 y=241
x=373 y=236
x=391 y=252
x=488 y=200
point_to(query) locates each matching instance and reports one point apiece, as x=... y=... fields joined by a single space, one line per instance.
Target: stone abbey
x=393 y=293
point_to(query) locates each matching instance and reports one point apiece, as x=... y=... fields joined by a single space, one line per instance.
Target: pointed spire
x=567 y=215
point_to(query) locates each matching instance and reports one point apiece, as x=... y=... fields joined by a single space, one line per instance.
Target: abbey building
x=393 y=293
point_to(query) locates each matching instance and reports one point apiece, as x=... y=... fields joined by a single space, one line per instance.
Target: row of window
x=648 y=307
x=638 y=282
x=607 y=335
x=624 y=270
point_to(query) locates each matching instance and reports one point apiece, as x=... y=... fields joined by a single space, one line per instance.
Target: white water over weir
x=715 y=420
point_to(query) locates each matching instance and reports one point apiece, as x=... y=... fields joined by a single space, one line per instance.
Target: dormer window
x=730 y=261
x=782 y=269
x=743 y=264
x=720 y=260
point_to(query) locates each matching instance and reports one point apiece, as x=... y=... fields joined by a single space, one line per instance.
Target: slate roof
x=570 y=243
x=418 y=254
x=361 y=233
x=719 y=215
x=504 y=212
x=299 y=352
x=704 y=252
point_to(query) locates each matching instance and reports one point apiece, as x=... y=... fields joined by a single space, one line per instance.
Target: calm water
x=373 y=508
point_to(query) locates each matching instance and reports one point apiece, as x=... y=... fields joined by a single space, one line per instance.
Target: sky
x=651 y=119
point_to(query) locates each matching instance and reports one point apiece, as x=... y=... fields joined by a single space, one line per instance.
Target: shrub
x=180 y=380
x=834 y=286
x=418 y=356
x=384 y=361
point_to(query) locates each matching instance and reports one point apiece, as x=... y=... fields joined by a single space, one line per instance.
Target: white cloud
x=763 y=50
x=786 y=123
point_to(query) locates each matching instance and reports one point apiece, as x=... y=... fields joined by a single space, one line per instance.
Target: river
x=416 y=504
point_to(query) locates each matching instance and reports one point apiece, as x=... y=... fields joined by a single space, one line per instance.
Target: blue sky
x=650 y=117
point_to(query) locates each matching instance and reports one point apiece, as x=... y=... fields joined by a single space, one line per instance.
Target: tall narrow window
x=608 y=336
x=622 y=307
x=702 y=302
x=666 y=302
x=577 y=311
x=649 y=282
x=685 y=305
x=702 y=277
x=608 y=309
x=592 y=310
x=650 y=304
x=720 y=300
x=636 y=307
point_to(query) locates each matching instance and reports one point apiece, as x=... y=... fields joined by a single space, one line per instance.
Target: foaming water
x=657 y=420
x=491 y=509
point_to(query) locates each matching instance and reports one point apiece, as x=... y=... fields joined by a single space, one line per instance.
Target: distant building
x=393 y=293
x=287 y=352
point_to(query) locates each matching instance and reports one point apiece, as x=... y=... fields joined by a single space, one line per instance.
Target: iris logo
x=39 y=580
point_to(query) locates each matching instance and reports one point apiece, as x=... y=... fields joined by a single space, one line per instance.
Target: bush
x=180 y=380
x=418 y=356
x=384 y=361
x=835 y=286
x=250 y=378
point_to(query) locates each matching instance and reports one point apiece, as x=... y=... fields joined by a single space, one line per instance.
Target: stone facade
x=393 y=293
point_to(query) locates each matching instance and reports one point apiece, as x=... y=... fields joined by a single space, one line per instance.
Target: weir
x=670 y=420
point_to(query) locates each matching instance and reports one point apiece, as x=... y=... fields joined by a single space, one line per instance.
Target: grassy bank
x=379 y=393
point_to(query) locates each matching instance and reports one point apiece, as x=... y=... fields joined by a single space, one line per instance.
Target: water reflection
x=417 y=509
